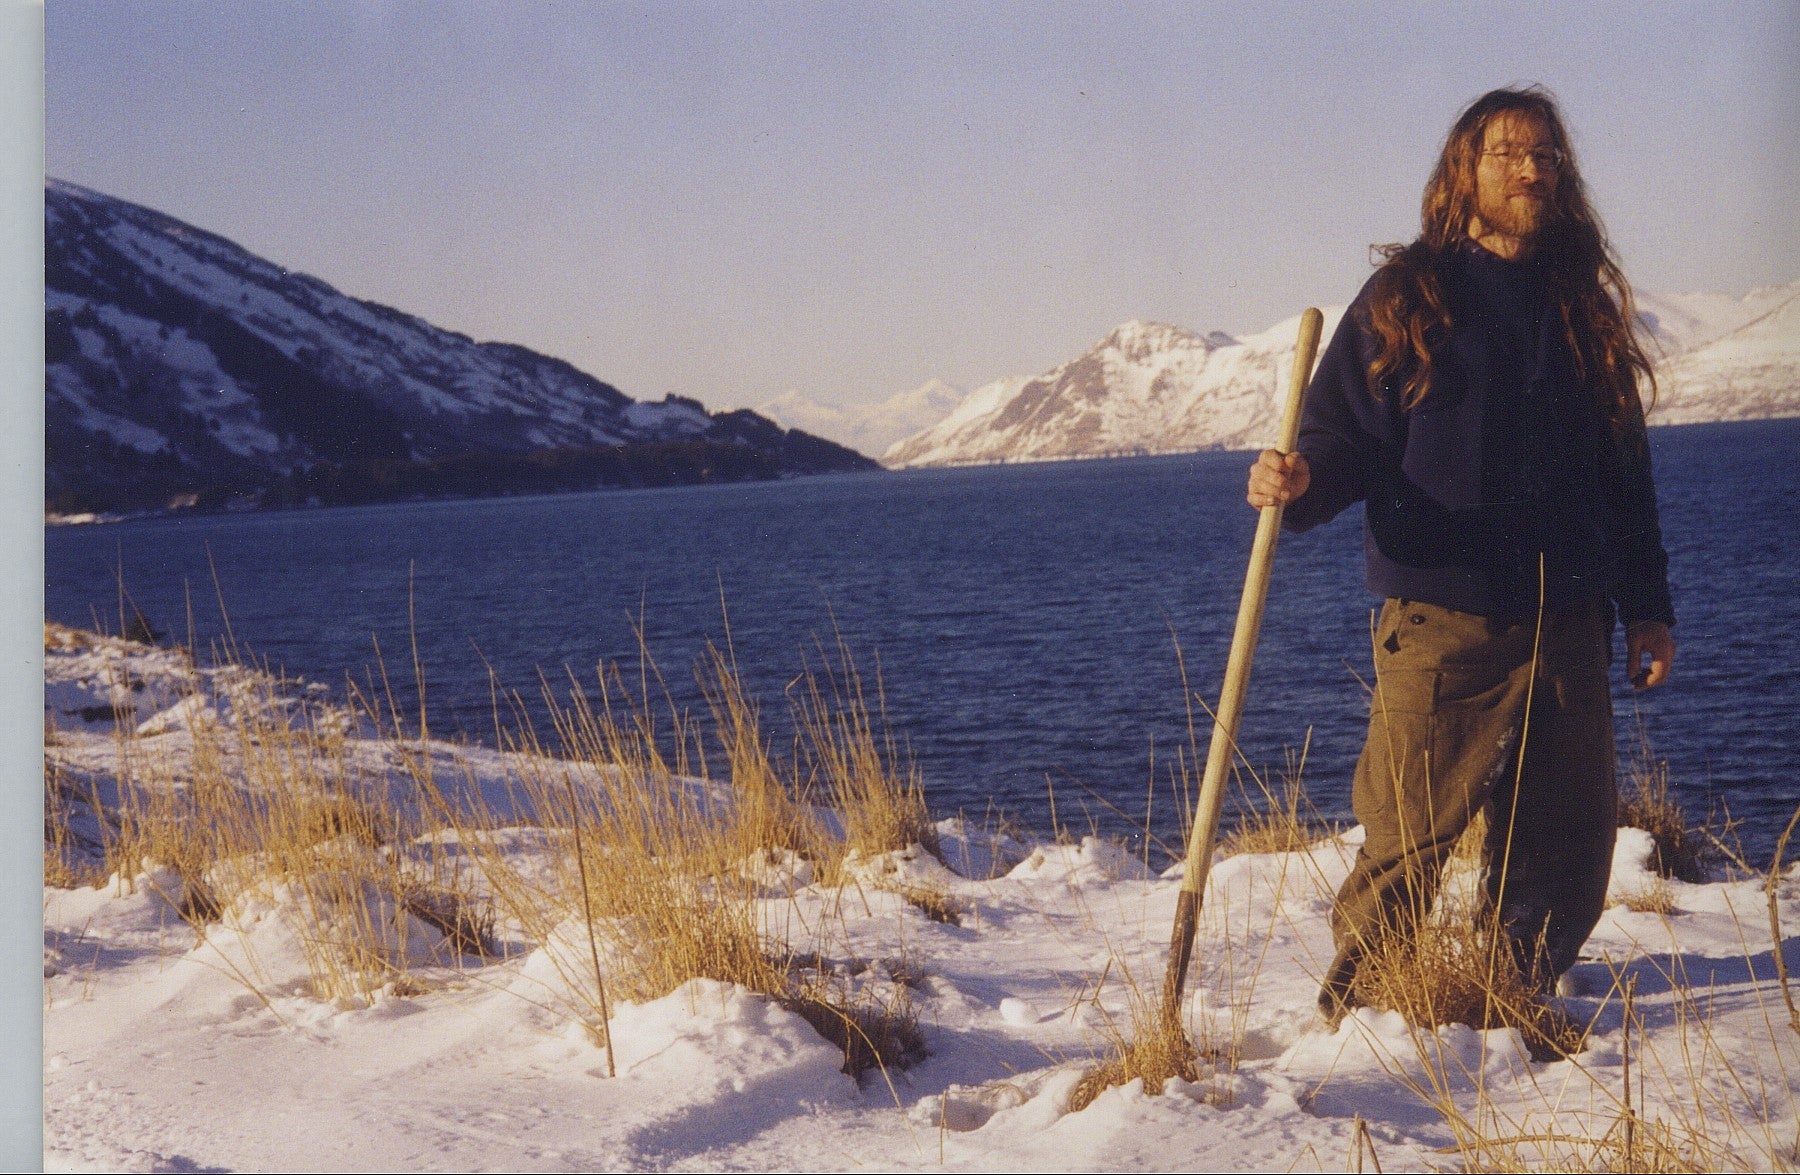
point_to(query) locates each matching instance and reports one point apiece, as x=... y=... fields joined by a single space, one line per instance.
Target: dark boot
x=1337 y=994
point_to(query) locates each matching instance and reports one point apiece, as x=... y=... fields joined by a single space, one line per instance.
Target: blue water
x=1025 y=619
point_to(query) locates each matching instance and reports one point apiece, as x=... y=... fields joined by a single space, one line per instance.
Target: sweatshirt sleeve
x=1341 y=425
x=1640 y=586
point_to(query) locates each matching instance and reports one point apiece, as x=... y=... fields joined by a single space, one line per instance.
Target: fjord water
x=1024 y=619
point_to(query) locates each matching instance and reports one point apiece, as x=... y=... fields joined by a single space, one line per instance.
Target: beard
x=1521 y=218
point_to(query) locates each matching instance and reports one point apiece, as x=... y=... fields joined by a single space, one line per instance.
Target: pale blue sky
x=732 y=200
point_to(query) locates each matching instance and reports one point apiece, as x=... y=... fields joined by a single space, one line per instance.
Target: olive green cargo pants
x=1457 y=697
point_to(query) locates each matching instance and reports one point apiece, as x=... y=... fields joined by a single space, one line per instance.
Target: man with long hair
x=1481 y=398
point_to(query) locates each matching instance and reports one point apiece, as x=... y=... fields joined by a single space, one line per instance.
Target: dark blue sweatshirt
x=1507 y=456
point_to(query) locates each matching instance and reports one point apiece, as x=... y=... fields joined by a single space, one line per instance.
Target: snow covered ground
x=171 y=1049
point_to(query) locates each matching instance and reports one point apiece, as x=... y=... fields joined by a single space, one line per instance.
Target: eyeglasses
x=1545 y=158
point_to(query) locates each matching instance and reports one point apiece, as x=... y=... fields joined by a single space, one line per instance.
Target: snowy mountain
x=1741 y=361
x=178 y=364
x=1687 y=322
x=873 y=428
x=1155 y=388
x=1146 y=388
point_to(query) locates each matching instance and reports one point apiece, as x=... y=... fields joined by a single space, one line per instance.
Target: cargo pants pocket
x=1442 y=725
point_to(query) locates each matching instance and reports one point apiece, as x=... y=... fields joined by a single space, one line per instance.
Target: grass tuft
x=1271 y=823
x=467 y=923
x=73 y=851
x=1459 y=970
x=1656 y=897
x=1684 y=850
x=933 y=902
x=877 y=1028
x=880 y=801
x=1157 y=1049
x=1457 y=967
x=662 y=874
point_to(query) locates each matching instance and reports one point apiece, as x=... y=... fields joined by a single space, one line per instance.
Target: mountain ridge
x=180 y=368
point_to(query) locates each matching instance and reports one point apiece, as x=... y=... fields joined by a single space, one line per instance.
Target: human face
x=1513 y=190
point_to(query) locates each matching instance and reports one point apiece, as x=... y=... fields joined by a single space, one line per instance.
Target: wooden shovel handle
x=1237 y=680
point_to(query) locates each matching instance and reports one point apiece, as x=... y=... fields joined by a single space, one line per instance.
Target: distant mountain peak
x=1138 y=339
x=935 y=388
x=868 y=428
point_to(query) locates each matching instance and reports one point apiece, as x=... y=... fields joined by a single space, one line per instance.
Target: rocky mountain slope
x=1155 y=388
x=179 y=367
x=1146 y=388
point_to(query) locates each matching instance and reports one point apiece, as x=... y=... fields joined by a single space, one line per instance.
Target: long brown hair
x=1407 y=309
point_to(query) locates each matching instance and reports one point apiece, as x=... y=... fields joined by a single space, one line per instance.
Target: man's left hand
x=1652 y=639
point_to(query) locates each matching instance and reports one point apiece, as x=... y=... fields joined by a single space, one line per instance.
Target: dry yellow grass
x=1456 y=966
x=71 y=856
x=1459 y=970
x=662 y=871
x=858 y=772
x=1152 y=1053
x=1155 y=1049
x=1653 y=1115
x=1656 y=897
x=653 y=877
x=934 y=902
x=250 y=801
x=769 y=812
x=1683 y=848
x=1268 y=822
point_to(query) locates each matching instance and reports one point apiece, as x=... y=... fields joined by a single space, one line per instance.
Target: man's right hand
x=1277 y=479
